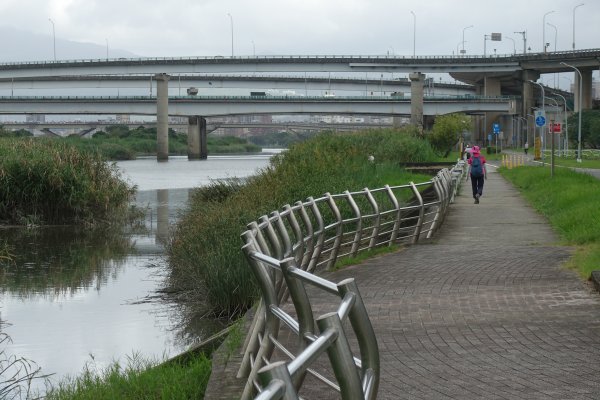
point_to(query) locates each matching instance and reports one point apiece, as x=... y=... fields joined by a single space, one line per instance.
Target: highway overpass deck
x=208 y=106
x=547 y=62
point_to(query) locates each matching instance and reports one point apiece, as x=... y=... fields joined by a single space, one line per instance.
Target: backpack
x=476 y=167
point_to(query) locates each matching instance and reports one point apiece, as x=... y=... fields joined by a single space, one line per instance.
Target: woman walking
x=477 y=172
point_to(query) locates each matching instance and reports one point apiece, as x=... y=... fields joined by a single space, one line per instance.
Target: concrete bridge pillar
x=417 y=80
x=162 y=117
x=527 y=92
x=586 y=95
x=197 y=147
x=491 y=87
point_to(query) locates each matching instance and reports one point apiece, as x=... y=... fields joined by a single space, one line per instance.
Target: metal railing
x=288 y=247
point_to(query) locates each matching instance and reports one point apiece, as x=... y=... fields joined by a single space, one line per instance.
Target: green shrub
x=52 y=182
x=204 y=254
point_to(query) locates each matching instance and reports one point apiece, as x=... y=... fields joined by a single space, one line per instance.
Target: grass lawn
x=572 y=210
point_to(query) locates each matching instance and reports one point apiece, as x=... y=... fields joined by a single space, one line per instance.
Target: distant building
x=35 y=118
x=123 y=118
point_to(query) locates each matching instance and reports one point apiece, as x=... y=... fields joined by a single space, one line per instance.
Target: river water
x=75 y=297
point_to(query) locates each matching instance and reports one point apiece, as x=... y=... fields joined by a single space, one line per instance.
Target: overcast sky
x=155 y=28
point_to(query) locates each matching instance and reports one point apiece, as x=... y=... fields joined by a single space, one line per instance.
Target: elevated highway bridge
x=224 y=84
x=90 y=128
x=489 y=76
x=212 y=106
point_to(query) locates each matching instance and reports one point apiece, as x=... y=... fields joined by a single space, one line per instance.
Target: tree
x=590 y=129
x=447 y=131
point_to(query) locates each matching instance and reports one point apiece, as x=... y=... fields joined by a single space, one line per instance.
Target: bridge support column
x=527 y=93
x=203 y=144
x=416 y=99
x=491 y=87
x=162 y=117
x=197 y=148
x=586 y=96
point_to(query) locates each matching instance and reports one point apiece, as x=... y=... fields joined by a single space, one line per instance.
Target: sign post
x=552 y=149
x=496 y=130
x=540 y=121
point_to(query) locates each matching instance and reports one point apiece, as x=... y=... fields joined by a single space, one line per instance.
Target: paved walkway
x=484 y=311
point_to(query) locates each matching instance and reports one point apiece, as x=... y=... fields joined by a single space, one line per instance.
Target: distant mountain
x=18 y=45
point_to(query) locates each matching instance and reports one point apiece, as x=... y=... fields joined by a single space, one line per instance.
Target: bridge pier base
x=416 y=99
x=197 y=147
x=162 y=117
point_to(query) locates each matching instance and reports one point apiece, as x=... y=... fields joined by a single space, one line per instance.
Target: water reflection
x=56 y=261
x=72 y=293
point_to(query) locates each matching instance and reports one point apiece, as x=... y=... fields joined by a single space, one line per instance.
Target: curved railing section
x=287 y=248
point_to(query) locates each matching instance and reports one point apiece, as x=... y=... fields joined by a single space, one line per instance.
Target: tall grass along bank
x=206 y=264
x=139 y=379
x=569 y=201
x=52 y=182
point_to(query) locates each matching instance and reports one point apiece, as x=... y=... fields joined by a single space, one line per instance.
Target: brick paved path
x=484 y=311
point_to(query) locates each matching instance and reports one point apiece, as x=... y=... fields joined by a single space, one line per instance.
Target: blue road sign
x=540 y=120
x=496 y=128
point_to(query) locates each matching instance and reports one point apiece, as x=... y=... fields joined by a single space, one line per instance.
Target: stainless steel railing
x=288 y=247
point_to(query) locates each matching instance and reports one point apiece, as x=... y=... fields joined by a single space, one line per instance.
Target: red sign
x=555 y=127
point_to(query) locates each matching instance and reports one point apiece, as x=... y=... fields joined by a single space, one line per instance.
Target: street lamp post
x=106 y=49
x=253 y=49
x=414 y=33
x=53 y=37
x=457 y=48
x=463 y=39
x=543 y=111
x=566 y=145
x=231 y=21
x=544 y=30
x=575 y=8
x=580 y=110
x=555 y=41
x=524 y=34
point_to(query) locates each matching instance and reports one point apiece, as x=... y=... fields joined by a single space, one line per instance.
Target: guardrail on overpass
x=287 y=249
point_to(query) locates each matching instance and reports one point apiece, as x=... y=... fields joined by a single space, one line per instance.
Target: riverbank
x=207 y=266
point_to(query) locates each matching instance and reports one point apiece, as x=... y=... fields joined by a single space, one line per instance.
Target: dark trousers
x=477 y=185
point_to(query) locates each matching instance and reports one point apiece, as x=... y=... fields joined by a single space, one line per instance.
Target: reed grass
x=52 y=182
x=139 y=379
x=204 y=254
x=569 y=202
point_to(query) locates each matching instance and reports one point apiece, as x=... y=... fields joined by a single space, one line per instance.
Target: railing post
x=419 y=225
x=398 y=218
x=271 y=324
x=283 y=234
x=298 y=247
x=358 y=230
x=440 y=209
x=338 y=231
x=340 y=357
x=310 y=235
x=320 y=233
x=375 y=231
x=301 y=305
x=367 y=341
